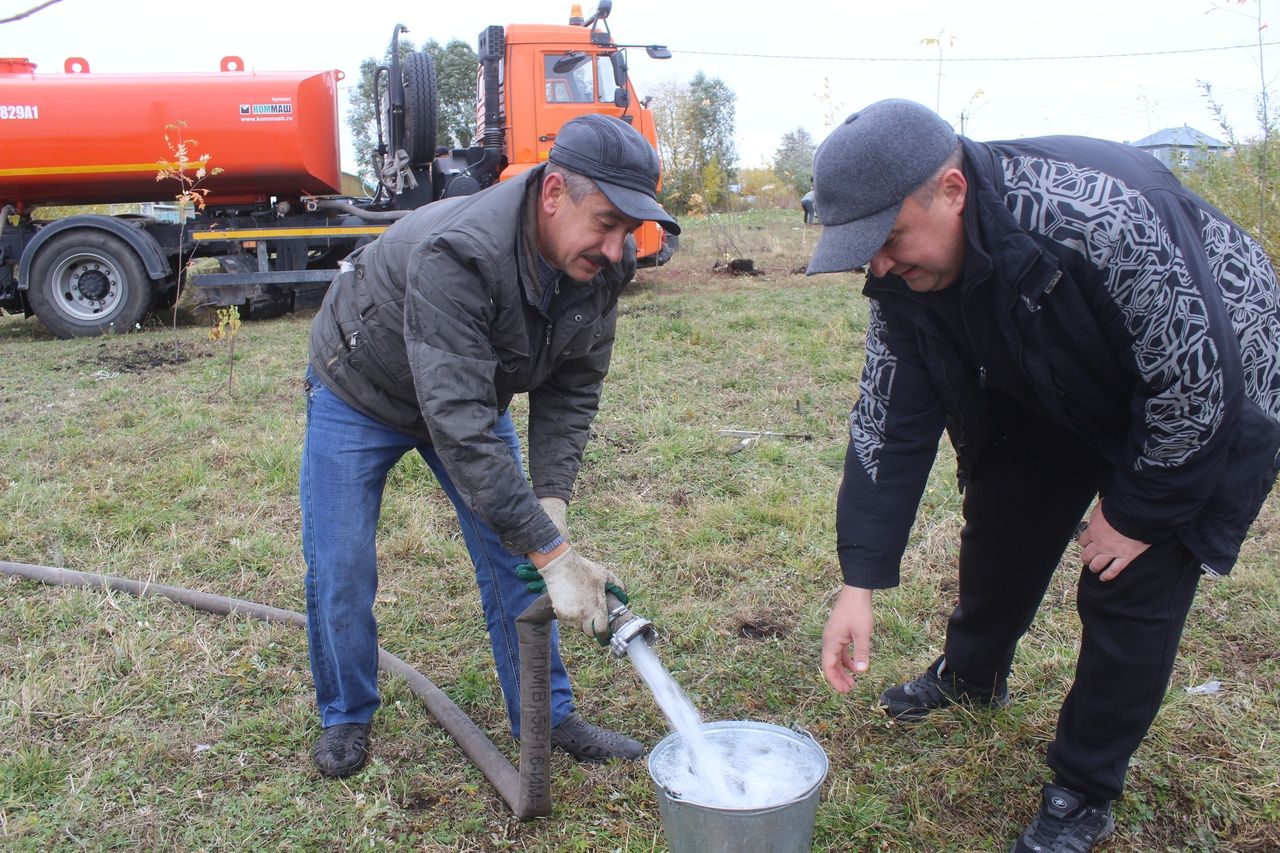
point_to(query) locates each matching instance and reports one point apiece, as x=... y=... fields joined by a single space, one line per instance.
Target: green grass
x=141 y=724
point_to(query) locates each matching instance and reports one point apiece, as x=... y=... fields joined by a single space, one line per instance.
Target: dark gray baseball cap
x=863 y=172
x=621 y=162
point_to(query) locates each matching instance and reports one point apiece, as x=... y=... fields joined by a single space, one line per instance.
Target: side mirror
x=618 y=60
x=621 y=98
x=658 y=51
x=569 y=62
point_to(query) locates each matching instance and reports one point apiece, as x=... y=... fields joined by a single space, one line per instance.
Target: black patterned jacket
x=1143 y=319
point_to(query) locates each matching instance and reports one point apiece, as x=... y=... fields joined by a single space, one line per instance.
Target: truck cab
x=575 y=69
x=533 y=78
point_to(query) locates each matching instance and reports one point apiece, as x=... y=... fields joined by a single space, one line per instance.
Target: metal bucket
x=784 y=768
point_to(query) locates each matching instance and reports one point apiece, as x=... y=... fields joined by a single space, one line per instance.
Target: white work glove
x=577 y=586
x=556 y=509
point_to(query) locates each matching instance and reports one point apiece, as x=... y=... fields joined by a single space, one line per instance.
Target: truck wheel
x=87 y=283
x=669 y=246
x=419 y=75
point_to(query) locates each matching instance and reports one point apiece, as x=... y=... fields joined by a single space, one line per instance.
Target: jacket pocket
x=388 y=354
x=372 y=342
x=1078 y=363
x=584 y=337
x=516 y=338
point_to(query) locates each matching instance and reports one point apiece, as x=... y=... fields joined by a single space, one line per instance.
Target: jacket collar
x=527 y=241
x=1000 y=247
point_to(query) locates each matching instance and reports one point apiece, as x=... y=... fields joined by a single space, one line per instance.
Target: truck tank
x=84 y=138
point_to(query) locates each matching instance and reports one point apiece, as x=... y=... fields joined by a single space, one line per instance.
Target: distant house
x=1180 y=146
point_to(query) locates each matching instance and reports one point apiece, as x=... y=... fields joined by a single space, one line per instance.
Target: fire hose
x=526 y=791
x=367 y=215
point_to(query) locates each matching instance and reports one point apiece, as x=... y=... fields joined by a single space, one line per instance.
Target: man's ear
x=953 y=187
x=554 y=192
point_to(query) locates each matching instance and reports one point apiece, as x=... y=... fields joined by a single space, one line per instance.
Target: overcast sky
x=996 y=59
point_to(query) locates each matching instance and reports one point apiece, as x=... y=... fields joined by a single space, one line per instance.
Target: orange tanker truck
x=275 y=219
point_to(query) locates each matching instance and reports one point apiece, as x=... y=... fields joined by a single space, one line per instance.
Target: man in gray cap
x=422 y=341
x=1083 y=327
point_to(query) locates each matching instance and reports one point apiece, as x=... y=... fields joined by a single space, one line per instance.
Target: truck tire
x=87 y=282
x=669 y=246
x=419 y=75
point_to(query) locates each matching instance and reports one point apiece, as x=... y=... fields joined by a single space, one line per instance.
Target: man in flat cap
x=1083 y=327
x=421 y=343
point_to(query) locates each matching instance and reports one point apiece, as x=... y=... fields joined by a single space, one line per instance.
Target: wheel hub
x=94 y=285
x=88 y=285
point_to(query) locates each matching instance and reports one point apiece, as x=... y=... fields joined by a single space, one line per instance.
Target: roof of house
x=1178 y=137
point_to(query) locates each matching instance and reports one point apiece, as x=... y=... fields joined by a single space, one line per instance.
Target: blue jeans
x=345 y=460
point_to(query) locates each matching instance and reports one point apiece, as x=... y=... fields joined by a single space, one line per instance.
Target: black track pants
x=1024 y=500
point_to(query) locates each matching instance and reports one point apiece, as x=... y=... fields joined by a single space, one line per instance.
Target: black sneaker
x=937 y=688
x=342 y=749
x=586 y=742
x=1065 y=824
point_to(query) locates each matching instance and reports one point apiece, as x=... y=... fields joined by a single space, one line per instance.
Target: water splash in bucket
x=763 y=766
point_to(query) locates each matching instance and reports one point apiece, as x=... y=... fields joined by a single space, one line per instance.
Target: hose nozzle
x=625 y=626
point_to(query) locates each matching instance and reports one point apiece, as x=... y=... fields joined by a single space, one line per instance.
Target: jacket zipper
x=982 y=370
x=564 y=309
x=550 y=318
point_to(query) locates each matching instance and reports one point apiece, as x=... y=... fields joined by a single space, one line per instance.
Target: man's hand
x=557 y=510
x=535 y=583
x=848 y=625
x=577 y=586
x=1105 y=549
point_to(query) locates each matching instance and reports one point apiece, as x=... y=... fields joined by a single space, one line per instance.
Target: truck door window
x=604 y=79
x=572 y=87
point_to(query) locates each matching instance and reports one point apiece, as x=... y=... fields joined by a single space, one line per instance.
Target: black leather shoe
x=937 y=688
x=342 y=749
x=586 y=742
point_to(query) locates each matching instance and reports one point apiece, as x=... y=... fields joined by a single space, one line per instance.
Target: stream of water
x=706 y=764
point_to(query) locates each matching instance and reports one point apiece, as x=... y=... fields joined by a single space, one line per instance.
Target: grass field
x=139 y=724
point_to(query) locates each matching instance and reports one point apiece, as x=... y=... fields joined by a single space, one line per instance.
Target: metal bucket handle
x=801 y=730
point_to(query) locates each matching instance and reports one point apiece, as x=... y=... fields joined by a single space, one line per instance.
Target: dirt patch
x=759 y=626
x=737 y=266
x=111 y=356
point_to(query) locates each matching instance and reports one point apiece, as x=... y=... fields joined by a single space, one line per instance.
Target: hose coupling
x=625 y=626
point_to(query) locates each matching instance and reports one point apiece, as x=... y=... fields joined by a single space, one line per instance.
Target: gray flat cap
x=863 y=172
x=621 y=162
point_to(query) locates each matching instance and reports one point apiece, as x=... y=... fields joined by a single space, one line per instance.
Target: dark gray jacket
x=1140 y=317
x=435 y=326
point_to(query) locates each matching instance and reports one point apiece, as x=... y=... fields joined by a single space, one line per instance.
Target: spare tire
x=419 y=77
